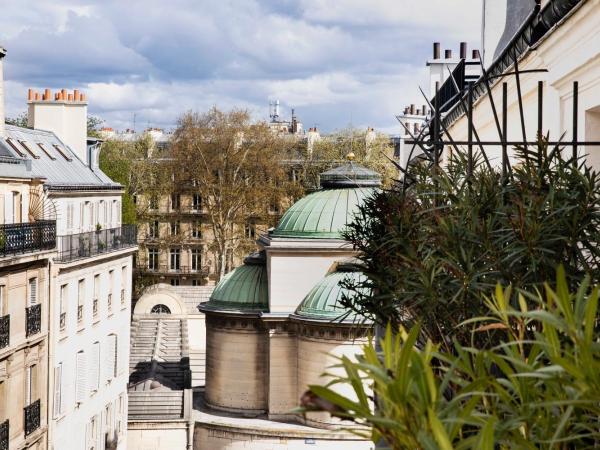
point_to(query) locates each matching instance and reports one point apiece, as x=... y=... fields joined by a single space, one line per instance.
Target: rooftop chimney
x=64 y=114
x=475 y=54
x=2 y=129
x=436 y=50
x=448 y=54
x=463 y=50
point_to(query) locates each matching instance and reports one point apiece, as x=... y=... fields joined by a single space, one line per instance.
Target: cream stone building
x=274 y=325
x=560 y=40
x=27 y=243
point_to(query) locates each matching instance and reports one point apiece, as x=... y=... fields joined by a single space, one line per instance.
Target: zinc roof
x=56 y=162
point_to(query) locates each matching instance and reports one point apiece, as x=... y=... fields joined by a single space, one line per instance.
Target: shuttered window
x=111 y=357
x=33 y=291
x=81 y=373
x=95 y=367
x=58 y=405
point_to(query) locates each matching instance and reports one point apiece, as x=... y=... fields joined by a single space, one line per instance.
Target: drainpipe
x=50 y=351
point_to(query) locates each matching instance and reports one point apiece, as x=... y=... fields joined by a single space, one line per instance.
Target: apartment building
x=27 y=244
x=89 y=289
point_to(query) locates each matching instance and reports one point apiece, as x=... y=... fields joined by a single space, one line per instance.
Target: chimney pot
x=436 y=50
x=30 y=94
x=463 y=50
x=37 y=96
x=70 y=97
x=82 y=97
x=56 y=96
x=63 y=94
x=423 y=110
x=47 y=95
x=448 y=53
x=418 y=112
x=412 y=108
x=75 y=95
x=475 y=54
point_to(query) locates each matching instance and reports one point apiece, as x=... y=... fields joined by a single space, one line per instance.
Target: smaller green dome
x=243 y=289
x=323 y=300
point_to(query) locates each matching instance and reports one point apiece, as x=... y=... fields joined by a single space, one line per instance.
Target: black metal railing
x=33 y=317
x=18 y=238
x=32 y=417
x=4 y=435
x=92 y=243
x=4 y=332
x=166 y=269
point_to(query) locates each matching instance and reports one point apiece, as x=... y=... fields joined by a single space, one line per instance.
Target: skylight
x=45 y=150
x=62 y=151
x=29 y=149
x=14 y=146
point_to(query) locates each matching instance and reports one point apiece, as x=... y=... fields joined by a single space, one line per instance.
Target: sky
x=337 y=62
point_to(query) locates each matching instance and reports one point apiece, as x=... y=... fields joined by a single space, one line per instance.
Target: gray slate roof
x=58 y=171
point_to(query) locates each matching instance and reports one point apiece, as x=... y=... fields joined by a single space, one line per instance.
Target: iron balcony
x=4 y=333
x=33 y=318
x=85 y=245
x=18 y=238
x=4 y=435
x=32 y=417
x=165 y=269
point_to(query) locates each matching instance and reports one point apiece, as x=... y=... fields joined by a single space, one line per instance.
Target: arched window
x=160 y=309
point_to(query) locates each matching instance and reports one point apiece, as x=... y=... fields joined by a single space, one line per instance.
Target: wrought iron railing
x=84 y=245
x=122 y=296
x=32 y=417
x=4 y=332
x=95 y=307
x=166 y=269
x=62 y=322
x=109 y=301
x=18 y=238
x=4 y=435
x=79 y=313
x=33 y=317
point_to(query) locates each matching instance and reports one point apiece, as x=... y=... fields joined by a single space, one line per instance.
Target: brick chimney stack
x=64 y=113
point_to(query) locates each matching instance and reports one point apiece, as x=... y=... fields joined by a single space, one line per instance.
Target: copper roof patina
x=243 y=289
x=325 y=214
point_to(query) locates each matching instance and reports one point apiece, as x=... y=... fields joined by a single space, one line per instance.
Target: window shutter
x=95 y=367
x=58 y=391
x=80 y=388
x=32 y=291
x=28 y=386
x=111 y=354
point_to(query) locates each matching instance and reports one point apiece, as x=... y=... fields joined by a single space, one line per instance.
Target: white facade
x=89 y=329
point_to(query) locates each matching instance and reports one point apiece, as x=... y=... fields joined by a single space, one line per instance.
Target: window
x=196 y=202
x=195 y=257
x=29 y=149
x=175 y=228
x=123 y=283
x=175 y=259
x=3 y=303
x=58 y=400
x=92 y=434
x=31 y=382
x=154 y=230
x=111 y=357
x=174 y=281
x=196 y=230
x=175 y=201
x=195 y=282
x=121 y=411
x=64 y=302
x=16 y=148
x=70 y=208
x=80 y=377
x=63 y=152
x=153 y=202
x=250 y=230
x=108 y=421
x=95 y=367
x=152 y=259
x=111 y=282
x=160 y=309
x=80 y=299
x=33 y=291
x=96 y=294
x=46 y=151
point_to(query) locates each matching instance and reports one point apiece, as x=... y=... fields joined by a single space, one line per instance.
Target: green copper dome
x=324 y=214
x=244 y=288
x=323 y=300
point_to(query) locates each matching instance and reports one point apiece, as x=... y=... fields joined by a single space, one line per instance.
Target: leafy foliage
x=538 y=389
x=19 y=121
x=430 y=249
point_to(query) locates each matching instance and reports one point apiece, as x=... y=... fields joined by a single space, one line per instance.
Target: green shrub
x=538 y=389
x=431 y=246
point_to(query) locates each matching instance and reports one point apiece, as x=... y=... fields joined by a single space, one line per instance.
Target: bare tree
x=237 y=167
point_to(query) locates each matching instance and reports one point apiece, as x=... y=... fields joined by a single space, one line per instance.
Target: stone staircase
x=198 y=367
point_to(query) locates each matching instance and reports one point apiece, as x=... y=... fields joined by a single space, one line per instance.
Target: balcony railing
x=4 y=435
x=84 y=245
x=166 y=269
x=27 y=237
x=32 y=417
x=4 y=332
x=33 y=317
x=95 y=307
x=79 y=313
x=109 y=301
x=122 y=296
x=62 y=323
